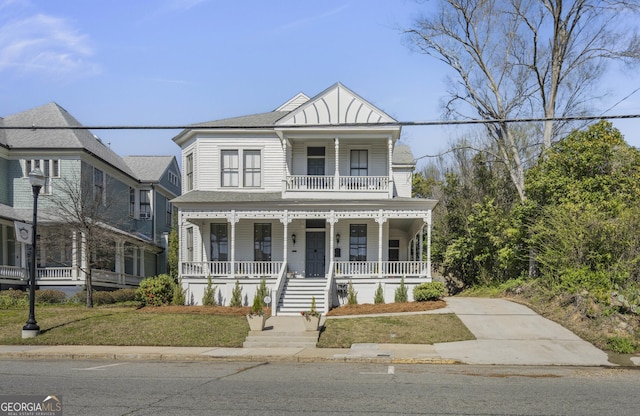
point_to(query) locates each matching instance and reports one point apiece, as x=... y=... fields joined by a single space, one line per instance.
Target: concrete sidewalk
x=507 y=334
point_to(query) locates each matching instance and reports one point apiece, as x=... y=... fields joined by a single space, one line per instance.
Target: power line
x=271 y=126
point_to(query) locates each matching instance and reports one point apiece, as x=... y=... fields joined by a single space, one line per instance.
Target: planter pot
x=256 y=322
x=311 y=323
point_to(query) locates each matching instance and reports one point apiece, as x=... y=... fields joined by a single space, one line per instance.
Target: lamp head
x=36 y=178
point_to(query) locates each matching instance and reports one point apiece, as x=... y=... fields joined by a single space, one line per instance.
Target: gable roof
x=52 y=115
x=149 y=168
x=336 y=105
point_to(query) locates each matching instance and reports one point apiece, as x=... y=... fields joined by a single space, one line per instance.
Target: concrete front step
x=282 y=331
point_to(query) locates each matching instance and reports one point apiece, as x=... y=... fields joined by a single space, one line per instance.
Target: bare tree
x=78 y=208
x=520 y=58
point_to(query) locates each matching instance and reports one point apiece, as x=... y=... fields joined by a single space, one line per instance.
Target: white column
x=390 y=157
x=336 y=183
x=5 y=249
x=285 y=167
x=135 y=261
x=285 y=238
x=233 y=220
x=380 y=220
x=331 y=220
x=141 y=261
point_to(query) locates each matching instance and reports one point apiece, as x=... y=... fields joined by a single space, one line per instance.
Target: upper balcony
x=316 y=183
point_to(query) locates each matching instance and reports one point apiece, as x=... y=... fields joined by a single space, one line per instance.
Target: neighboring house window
x=315 y=160
x=190 y=244
x=394 y=250
x=189 y=172
x=169 y=218
x=173 y=178
x=132 y=202
x=358 y=242
x=49 y=167
x=262 y=242
x=98 y=185
x=359 y=163
x=230 y=168
x=145 y=204
x=219 y=242
x=252 y=168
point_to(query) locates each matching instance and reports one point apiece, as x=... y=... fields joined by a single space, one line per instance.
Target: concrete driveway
x=510 y=333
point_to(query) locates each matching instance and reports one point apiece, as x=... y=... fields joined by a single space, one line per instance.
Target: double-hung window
x=190 y=244
x=252 y=168
x=145 y=205
x=50 y=169
x=132 y=202
x=98 y=186
x=230 y=166
x=248 y=162
x=189 y=172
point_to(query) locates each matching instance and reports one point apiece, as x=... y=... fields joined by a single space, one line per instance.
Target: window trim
x=354 y=244
x=241 y=171
x=188 y=172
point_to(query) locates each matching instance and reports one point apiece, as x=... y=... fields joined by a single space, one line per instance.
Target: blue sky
x=176 y=62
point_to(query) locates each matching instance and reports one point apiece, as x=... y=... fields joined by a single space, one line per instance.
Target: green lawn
x=76 y=325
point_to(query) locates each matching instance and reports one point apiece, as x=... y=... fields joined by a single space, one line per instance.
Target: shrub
x=179 y=294
x=13 y=298
x=155 y=291
x=209 y=298
x=428 y=291
x=258 y=306
x=123 y=295
x=352 y=295
x=263 y=292
x=236 y=295
x=103 y=297
x=621 y=345
x=379 y=296
x=402 y=294
x=50 y=296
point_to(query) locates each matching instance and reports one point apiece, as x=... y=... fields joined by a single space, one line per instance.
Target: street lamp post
x=31 y=329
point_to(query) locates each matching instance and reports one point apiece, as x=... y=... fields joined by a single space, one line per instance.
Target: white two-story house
x=310 y=196
x=134 y=194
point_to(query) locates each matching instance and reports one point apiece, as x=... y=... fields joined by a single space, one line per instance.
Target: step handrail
x=275 y=301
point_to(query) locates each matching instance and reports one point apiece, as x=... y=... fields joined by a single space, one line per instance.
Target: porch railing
x=225 y=268
x=13 y=272
x=55 y=273
x=372 y=268
x=273 y=268
x=344 y=183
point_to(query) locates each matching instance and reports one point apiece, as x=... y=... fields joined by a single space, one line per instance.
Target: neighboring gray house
x=310 y=196
x=135 y=190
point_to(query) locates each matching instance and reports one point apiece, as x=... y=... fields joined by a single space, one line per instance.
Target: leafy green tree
x=585 y=195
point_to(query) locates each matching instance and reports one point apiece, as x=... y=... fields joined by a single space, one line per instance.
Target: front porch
x=67 y=276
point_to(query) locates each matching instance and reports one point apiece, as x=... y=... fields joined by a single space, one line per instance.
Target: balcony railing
x=344 y=183
x=55 y=273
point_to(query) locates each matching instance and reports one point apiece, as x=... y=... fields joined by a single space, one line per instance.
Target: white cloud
x=44 y=44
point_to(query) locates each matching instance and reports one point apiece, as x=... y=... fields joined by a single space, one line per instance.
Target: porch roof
x=204 y=199
x=10 y=213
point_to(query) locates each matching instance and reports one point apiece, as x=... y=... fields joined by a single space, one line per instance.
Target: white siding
x=209 y=169
x=402 y=178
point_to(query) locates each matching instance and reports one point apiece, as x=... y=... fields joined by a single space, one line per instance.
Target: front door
x=315 y=254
